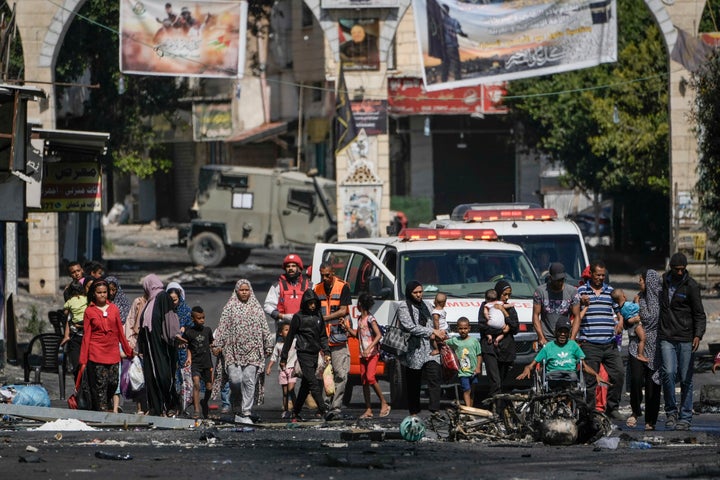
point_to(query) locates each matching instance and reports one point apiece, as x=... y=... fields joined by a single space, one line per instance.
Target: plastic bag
x=137 y=377
x=31 y=396
x=125 y=377
x=329 y=380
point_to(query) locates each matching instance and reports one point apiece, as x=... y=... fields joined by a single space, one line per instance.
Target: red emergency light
x=499 y=215
x=409 y=234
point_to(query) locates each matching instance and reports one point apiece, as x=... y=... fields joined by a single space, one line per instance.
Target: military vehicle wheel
x=207 y=249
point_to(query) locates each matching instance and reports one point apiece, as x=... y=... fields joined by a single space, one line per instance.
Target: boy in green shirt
x=468 y=351
x=561 y=357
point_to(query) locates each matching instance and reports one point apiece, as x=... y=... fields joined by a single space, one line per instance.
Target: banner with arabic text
x=190 y=39
x=468 y=42
x=72 y=187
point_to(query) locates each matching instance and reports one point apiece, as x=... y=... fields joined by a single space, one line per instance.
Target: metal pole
x=300 y=126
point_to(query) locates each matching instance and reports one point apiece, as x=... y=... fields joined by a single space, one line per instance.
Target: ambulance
x=462 y=263
x=544 y=237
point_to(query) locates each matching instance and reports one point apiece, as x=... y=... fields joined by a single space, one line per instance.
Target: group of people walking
x=672 y=318
x=314 y=326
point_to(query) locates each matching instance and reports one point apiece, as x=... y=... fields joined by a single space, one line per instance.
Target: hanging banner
x=211 y=121
x=371 y=115
x=407 y=96
x=194 y=39
x=463 y=42
x=72 y=187
x=359 y=43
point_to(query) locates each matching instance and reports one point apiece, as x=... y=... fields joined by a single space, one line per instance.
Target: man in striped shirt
x=598 y=327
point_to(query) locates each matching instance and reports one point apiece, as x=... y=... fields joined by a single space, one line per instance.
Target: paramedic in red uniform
x=283 y=298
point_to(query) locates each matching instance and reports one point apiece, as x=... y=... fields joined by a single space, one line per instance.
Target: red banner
x=407 y=96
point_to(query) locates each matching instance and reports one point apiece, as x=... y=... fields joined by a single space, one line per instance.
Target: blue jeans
x=677 y=365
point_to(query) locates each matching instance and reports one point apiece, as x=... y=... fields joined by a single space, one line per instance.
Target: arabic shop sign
x=72 y=187
x=211 y=121
x=408 y=96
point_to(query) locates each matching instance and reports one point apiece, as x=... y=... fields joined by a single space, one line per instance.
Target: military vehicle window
x=302 y=199
x=233 y=181
x=242 y=200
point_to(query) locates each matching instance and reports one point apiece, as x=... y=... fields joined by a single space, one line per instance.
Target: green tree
x=606 y=125
x=705 y=116
x=91 y=45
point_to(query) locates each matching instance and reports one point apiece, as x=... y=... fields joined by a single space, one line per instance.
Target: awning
x=258 y=134
x=75 y=144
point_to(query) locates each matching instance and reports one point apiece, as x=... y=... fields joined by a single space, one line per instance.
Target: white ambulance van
x=462 y=263
x=544 y=237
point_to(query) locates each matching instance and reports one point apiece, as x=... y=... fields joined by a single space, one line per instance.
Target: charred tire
x=207 y=249
x=398 y=390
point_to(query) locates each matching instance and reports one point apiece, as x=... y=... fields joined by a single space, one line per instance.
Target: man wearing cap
x=553 y=301
x=682 y=326
x=283 y=298
x=598 y=327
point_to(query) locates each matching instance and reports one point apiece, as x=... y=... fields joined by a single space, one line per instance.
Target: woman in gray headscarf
x=646 y=375
x=157 y=340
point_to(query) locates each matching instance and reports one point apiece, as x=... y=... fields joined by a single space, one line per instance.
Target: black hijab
x=501 y=286
x=421 y=306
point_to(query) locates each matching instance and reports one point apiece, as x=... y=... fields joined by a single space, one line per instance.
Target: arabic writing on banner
x=370 y=115
x=72 y=187
x=465 y=42
x=407 y=96
x=196 y=39
x=211 y=121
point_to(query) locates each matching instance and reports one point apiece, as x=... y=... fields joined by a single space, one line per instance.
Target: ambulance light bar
x=410 y=234
x=525 y=214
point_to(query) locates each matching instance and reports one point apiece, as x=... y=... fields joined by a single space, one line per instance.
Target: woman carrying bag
x=414 y=317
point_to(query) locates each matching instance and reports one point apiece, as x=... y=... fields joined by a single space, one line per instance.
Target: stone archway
x=42 y=26
x=683 y=14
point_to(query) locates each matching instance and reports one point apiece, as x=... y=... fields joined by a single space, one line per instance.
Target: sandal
x=366 y=415
x=385 y=412
x=649 y=427
x=631 y=421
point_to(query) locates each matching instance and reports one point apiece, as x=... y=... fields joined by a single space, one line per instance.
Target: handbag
x=137 y=377
x=81 y=399
x=449 y=361
x=395 y=339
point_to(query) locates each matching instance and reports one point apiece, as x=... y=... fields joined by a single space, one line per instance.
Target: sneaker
x=297 y=418
x=615 y=415
x=330 y=416
x=682 y=425
x=286 y=414
x=670 y=422
x=243 y=419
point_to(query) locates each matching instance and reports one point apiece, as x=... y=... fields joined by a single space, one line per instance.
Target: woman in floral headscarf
x=244 y=339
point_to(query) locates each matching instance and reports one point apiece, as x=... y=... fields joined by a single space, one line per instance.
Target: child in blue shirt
x=630 y=312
